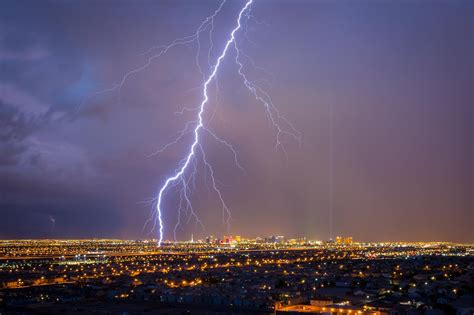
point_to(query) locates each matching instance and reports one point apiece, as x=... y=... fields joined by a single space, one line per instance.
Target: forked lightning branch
x=186 y=170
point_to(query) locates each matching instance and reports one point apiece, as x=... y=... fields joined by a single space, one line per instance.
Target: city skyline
x=273 y=157
x=381 y=93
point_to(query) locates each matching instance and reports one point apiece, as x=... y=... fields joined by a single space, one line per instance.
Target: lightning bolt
x=200 y=126
x=184 y=175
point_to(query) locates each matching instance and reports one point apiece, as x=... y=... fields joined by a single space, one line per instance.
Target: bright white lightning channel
x=200 y=124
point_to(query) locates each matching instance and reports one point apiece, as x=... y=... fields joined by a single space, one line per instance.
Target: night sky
x=388 y=83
